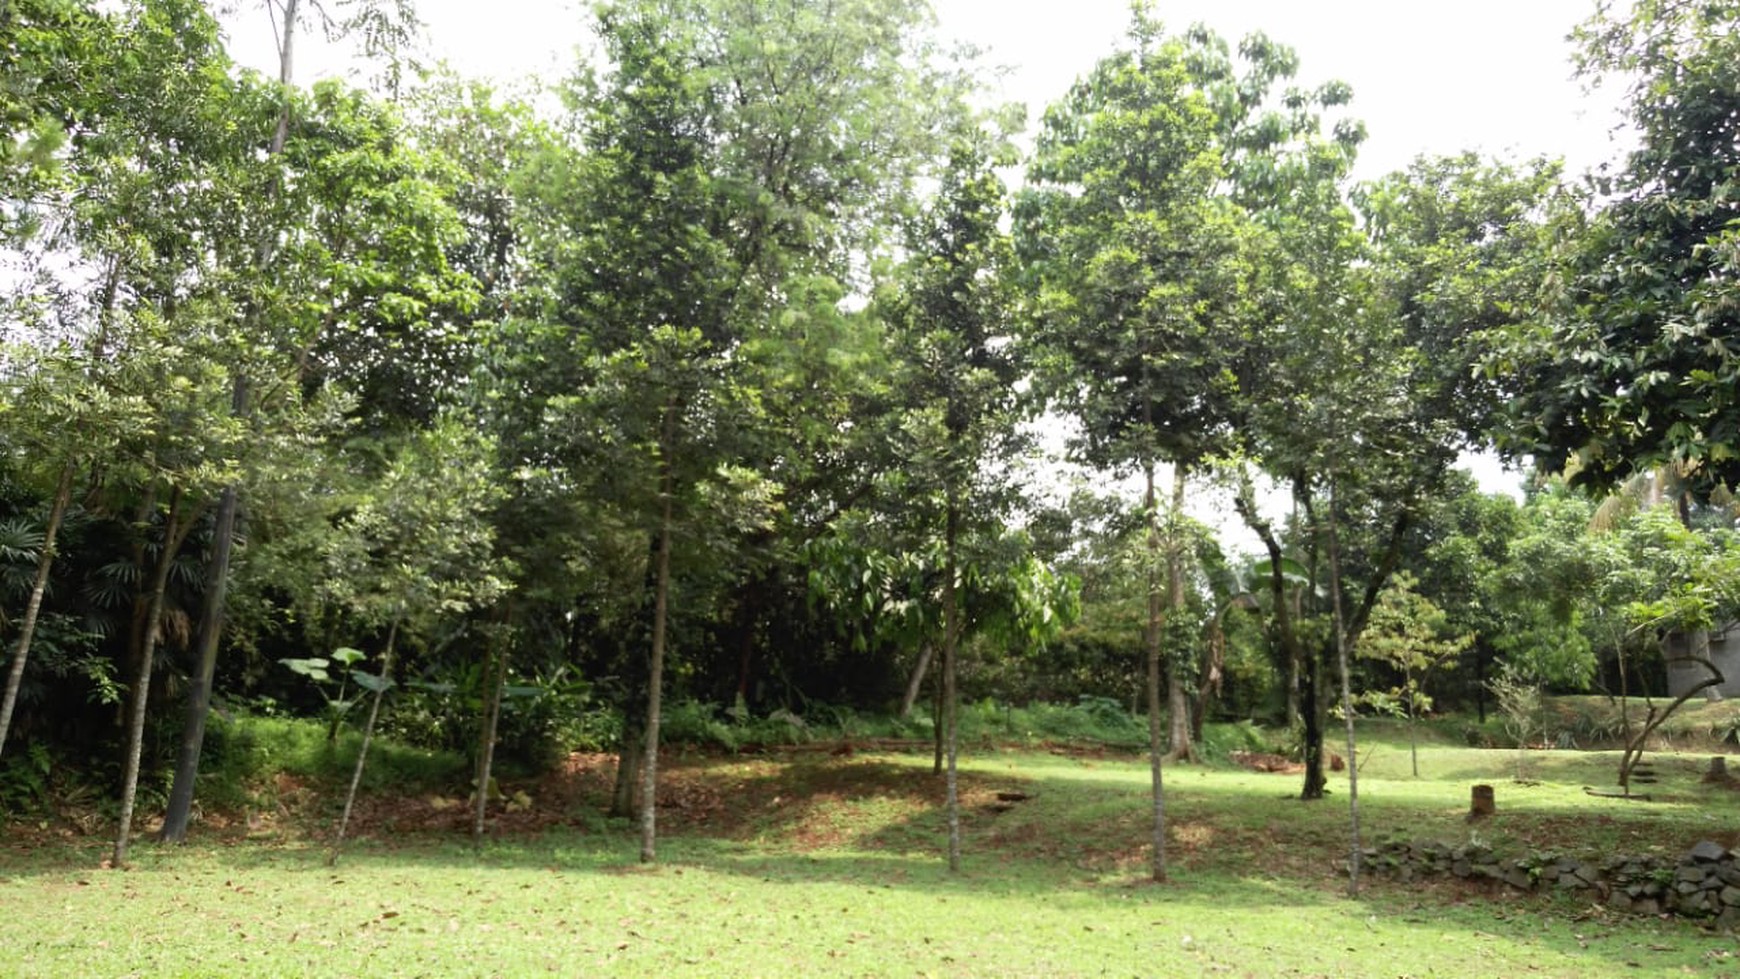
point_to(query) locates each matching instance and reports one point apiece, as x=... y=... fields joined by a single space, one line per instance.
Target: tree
x=1634 y=369
x=1669 y=578
x=1407 y=633
x=770 y=136
x=58 y=57
x=418 y=549
x=342 y=268
x=953 y=315
x=1134 y=257
x=70 y=411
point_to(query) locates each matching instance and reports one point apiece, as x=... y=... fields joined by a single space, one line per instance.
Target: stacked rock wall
x=1704 y=883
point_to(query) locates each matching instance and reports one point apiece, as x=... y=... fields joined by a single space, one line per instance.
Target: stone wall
x=1704 y=883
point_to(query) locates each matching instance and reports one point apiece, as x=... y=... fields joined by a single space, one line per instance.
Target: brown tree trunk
x=1151 y=644
x=1178 y=696
x=1314 y=690
x=625 y=792
x=141 y=692
x=951 y=641
x=1341 y=656
x=1303 y=663
x=937 y=725
x=33 y=607
x=1311 y=713
x=748 y=614
x=486 y=741
x=211 y=623
x=656 y=662
x=916 y=682
x=1294 y=699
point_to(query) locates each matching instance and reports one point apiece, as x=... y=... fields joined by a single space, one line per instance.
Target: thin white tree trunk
x=951 y=713
x=486 y=746
x=656 y=666
x=362 y=753
x=141 y=691
x=1151 y=640
x=32 y=608
x=1341 y=655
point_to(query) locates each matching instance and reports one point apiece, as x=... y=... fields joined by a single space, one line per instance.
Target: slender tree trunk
x=486 y=743
x=179 y=812
x=951 y=642
x=1311 y=712
x=362 y=753
x=286 y=71
x=1624 y=691
x=139 y=620
x=33 y=607
x=1178 y=697
x=748 y=614
x=1294 y=714
x=1313 y=689
x=1301 y=663
x=937 y=723
x=916 y=682
x=656 y=662
x=1413 y=731
x=211 y=624
x=1151 y=642
x=623 y=801
x=1341 y=656
x=141 y=692
x=1208 y=684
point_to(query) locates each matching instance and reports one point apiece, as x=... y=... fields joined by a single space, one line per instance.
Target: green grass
x=808 y=864
x=244 y=753
x=579 y=907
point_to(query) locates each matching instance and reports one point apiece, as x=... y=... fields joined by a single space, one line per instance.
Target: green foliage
x=1634 y=370
x=1135 y=261
x=332 y=691
x=542 y=717
x=1408 y=633
x=24 y=781
x=1538 y=594
x=246 y=751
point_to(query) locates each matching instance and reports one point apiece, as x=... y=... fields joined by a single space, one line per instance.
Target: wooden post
x=1481 y=803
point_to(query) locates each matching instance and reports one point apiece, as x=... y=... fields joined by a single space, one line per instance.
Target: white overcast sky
x=1428 y=77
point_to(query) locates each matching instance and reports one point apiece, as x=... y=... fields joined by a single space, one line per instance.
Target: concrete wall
x=1723 y=650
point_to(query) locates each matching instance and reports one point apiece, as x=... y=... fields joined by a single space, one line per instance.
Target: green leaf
x=314 y=668
x=371 y=682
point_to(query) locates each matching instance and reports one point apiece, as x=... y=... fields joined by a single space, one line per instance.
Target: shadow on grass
x=1066 y=817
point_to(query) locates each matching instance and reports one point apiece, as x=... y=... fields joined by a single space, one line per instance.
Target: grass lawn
x=808 y=864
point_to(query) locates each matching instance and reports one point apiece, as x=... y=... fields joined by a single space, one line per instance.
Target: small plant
x=320 y=670
x=1519 y=699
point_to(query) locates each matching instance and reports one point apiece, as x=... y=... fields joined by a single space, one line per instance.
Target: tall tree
x=341 y=268
x=1635 y=369
x=418 y=549
x=953 y=314
x=1137 y=262
x=770 y=135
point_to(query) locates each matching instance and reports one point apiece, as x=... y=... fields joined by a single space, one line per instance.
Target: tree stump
x=1718 y=770
x=1481 y=803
